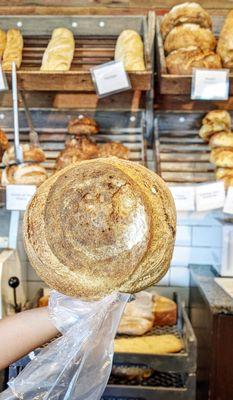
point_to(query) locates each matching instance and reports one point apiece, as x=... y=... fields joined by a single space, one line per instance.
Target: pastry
x=24 y=174
x=129 y=50
x=30 y=153
x=76 y=150
x=218 y=116
x=59 y=53
x=185 y=13
x=83 y=125
x=222 y=157
x=3 y=143
x=182 y=61
x=2 y=42
x=113 y=149
x=225 y=42
x=13 y=50
x=223 y=172
x=134 y=326
x=221 y=139
x=131 y=372
x=162 y=344
x=101 y=226
x=165 y=311
x=207 y=130
x=188 y=35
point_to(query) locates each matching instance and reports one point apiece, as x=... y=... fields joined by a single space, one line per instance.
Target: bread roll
x=188 y=35
x=207 y=130
x=59 y=53
x=3 y=143
x=222 y=139
x=185 y=13
x=13 y=50
x=165 y=311
x=218 y=115
x=225 y=42
x=129 y=50
x=30 y=153
x=76 y=150
x=113 y=149
x=161 y=344
x=182 y=61
x=83 y=125
x=222 y=157
x=2 y=42
x=223 y=172
x=101 y=226
x=24 y=174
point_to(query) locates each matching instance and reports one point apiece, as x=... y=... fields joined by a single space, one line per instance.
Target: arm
x=23 y=332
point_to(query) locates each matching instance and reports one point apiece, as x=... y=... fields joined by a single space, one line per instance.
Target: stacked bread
x=81 y=147
x=30 y=172
x=188 y=39
x=216 y=130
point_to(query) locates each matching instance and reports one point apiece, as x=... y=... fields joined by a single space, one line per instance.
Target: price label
x=210 y=84
x=18 y=196
x=3 y=80
x=228 y=206
x=110 y=78
x=210 y=196
x=184 y=197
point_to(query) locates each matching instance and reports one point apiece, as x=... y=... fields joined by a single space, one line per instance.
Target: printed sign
x=18 y=196
x=210 y=196
x=210 y=84
x=184 y=197
x=228 y=206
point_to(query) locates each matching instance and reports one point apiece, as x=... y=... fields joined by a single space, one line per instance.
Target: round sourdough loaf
x=101 y=226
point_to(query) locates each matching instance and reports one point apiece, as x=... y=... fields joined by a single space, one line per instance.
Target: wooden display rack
x=95 y=39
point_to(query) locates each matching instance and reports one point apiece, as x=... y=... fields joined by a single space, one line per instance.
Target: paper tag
x=210 y=196
x=4 y=242
x=228 y=206
x=3 y=80
x=184 y=197
x=18 y=196
x=210 y=84
x=110 y=78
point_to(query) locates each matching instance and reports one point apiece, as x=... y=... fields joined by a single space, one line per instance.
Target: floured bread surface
x=99 y=226
x=162 y=344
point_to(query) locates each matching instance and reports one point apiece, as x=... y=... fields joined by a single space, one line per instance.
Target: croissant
x=59 y=53
x=14 y=49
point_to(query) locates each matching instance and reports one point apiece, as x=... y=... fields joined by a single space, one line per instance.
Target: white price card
x=210 y=196
x=110 y=78
x=3 y=80
x=228 y=206
x=184 y=197
x=18 y=196
x=210 y=84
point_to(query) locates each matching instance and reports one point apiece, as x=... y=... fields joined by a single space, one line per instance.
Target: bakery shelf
x=170 y=84
x=95 y=38
x=182 y=157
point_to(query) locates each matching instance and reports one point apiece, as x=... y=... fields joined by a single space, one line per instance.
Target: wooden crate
x=179 y=84
x=182 y=157
x=95 y=39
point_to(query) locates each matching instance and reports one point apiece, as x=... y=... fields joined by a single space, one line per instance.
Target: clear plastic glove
x=77 y=365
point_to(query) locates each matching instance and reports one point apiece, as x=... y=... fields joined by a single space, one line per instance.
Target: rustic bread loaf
x=59 y=53
x=221 y=139
x=165 y=311
x=2 y=42
x=185 y=13
x=113 y=149
x=101 y=226
x=208 y=130
x=4 y=144
x=129 y=50
x=30 y=153
x=24 y=174
x=83 y=125
x=222 y=157
x=218 y=115
x=225 y=42
x=13 y=50
x=76 y=150
x=223 y=172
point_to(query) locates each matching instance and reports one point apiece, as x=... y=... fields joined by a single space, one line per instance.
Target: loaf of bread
x=24 y=174
x=162 y=344
x=4 y=144
x=2 y=42
x=225 y=42
x=188 y=35
x=228 y=181
x=76 y=150
x=59 y=53
x=101 y=226
x=13 y=50
x=185 y=13
x=30 y=153
x=208 y=130
x=182 y=61
x=222 y=157
x=223 y=172
x=131 y=371
x=113 y=149
x=222 y=139
x=165 y=311
x=218 y=116
x=134 y=326
x=129 y=50
x=83 y=125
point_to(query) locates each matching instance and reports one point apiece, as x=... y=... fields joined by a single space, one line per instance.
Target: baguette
x=59 y=53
